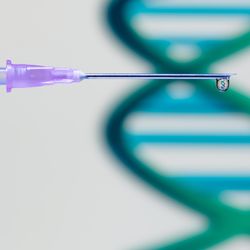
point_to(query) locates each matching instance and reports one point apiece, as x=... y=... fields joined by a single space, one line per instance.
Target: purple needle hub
x=25 y=76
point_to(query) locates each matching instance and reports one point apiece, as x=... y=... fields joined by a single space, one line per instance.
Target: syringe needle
x=222 y=80
x=24 y=76
x=153 y=76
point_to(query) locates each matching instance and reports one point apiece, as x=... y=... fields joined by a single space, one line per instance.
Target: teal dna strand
x=200 y=192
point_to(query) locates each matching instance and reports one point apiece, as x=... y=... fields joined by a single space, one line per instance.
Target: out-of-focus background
x=61 y=185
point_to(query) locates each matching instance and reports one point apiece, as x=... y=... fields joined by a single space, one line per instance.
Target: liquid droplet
x=222 y=84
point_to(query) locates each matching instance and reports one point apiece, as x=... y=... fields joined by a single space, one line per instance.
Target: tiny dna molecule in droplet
x=222 y=84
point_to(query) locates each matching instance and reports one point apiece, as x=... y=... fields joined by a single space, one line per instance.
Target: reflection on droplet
x=222 y=84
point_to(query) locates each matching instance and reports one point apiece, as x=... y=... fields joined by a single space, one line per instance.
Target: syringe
x=25 y=76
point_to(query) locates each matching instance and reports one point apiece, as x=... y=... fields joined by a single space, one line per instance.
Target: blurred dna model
x=184 y=139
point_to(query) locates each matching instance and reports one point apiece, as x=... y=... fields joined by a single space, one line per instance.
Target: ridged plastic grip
x=26 y=76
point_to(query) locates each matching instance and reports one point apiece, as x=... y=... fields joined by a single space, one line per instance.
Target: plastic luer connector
x=26 y=76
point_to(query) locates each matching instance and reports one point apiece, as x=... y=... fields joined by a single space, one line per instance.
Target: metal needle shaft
x=153 y=76
x=222 y=80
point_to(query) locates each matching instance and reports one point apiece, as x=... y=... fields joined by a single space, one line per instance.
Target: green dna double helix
x=201 y=193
